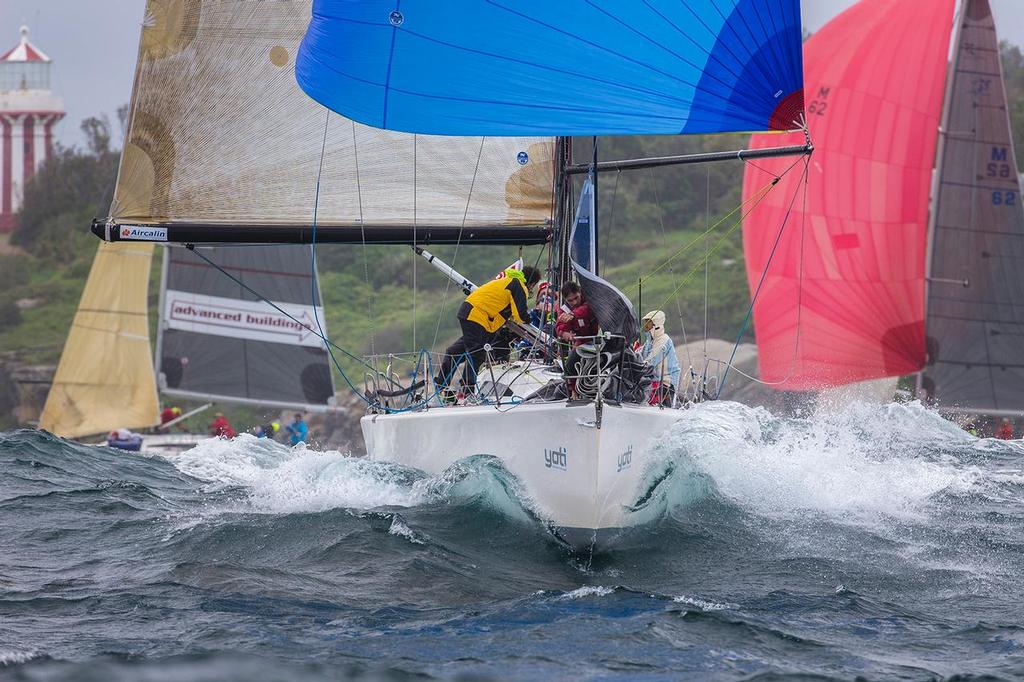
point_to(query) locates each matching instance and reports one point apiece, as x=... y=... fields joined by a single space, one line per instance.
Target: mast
x=563 y=210
x=594 y=267
x=159 y=345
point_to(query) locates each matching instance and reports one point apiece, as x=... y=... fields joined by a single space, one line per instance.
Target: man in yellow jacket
x=482 y=314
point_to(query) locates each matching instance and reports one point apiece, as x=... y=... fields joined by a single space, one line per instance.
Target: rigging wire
x=707 y=260
x=458 y=241
x=683 y=249
x=611 y=227
x=671 y=270
x=764 y=274
x=415 y=225
x=362 y=232
x=763 y=192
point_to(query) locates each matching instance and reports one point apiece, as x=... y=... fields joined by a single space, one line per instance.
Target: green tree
x=70 y=189
x=1013 y=75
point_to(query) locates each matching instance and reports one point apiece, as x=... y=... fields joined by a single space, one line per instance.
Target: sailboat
x=370 y=123
x=215 y=341
x=906 y=257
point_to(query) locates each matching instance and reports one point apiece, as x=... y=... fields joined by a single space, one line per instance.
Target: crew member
x=1005 y=430
x=481 y=315
x=221 y=427
x=169 y=414
x=267 y=430
x=297 y=430
x=660 y=353
x=576 y=325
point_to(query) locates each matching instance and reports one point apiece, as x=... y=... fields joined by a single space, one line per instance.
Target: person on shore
x=1005 y=430
x=297 y=430
x=484 y=312
x=660 y=353
x=220 y=427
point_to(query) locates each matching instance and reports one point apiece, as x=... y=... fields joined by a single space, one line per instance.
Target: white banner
x=253 y=320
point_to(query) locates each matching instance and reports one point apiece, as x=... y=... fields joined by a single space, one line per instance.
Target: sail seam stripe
x=752 y=100
x=621 y=56
x=387 y=77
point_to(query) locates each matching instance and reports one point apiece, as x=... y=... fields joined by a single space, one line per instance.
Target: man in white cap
x=660 y=353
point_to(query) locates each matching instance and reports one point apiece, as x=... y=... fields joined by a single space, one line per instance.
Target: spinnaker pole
x=685 y=159
x=523 y=331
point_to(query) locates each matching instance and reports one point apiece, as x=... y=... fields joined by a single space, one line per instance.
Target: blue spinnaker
x=557 y=67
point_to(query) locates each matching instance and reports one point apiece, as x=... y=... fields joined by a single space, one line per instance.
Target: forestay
x=572 y=67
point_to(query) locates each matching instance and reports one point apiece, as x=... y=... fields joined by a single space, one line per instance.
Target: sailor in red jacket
x=1005 y=430
x=220 y=426
x=579 y=322
x=576 y=327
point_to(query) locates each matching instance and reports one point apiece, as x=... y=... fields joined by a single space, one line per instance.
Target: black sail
x=975 y=314
x=218 y=340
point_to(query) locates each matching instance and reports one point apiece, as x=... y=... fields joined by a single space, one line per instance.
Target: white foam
x=15 y=657
x=399 y=528
x=285 y=480
x=587 y=591
x=703 y=604
x=863 y=458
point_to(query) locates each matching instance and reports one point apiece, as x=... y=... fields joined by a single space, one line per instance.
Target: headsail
x=220 y=134
x=843 y=298
x=613 y=310
x=573 y=67
x=105 y=377
x=219 y=341
x=975 y=322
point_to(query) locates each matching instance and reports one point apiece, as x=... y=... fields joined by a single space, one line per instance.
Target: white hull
x=581 y=478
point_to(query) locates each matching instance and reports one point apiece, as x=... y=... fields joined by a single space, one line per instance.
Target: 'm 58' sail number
x=999 y=167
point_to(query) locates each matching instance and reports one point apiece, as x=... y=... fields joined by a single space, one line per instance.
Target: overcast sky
x=93 y=44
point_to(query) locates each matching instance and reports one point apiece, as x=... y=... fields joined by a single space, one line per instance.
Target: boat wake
x=863 y=460
x=859 y=465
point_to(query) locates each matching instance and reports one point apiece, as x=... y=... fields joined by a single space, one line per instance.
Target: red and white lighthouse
x=28 y=113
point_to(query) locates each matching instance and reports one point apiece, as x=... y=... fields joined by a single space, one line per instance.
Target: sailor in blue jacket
x=660 y=353
x=297 y=430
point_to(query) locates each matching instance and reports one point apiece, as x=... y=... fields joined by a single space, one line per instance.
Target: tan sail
x=105 y=378
x=219 y=132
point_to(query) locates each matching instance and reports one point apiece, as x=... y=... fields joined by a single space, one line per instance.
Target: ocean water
x=872 y=542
